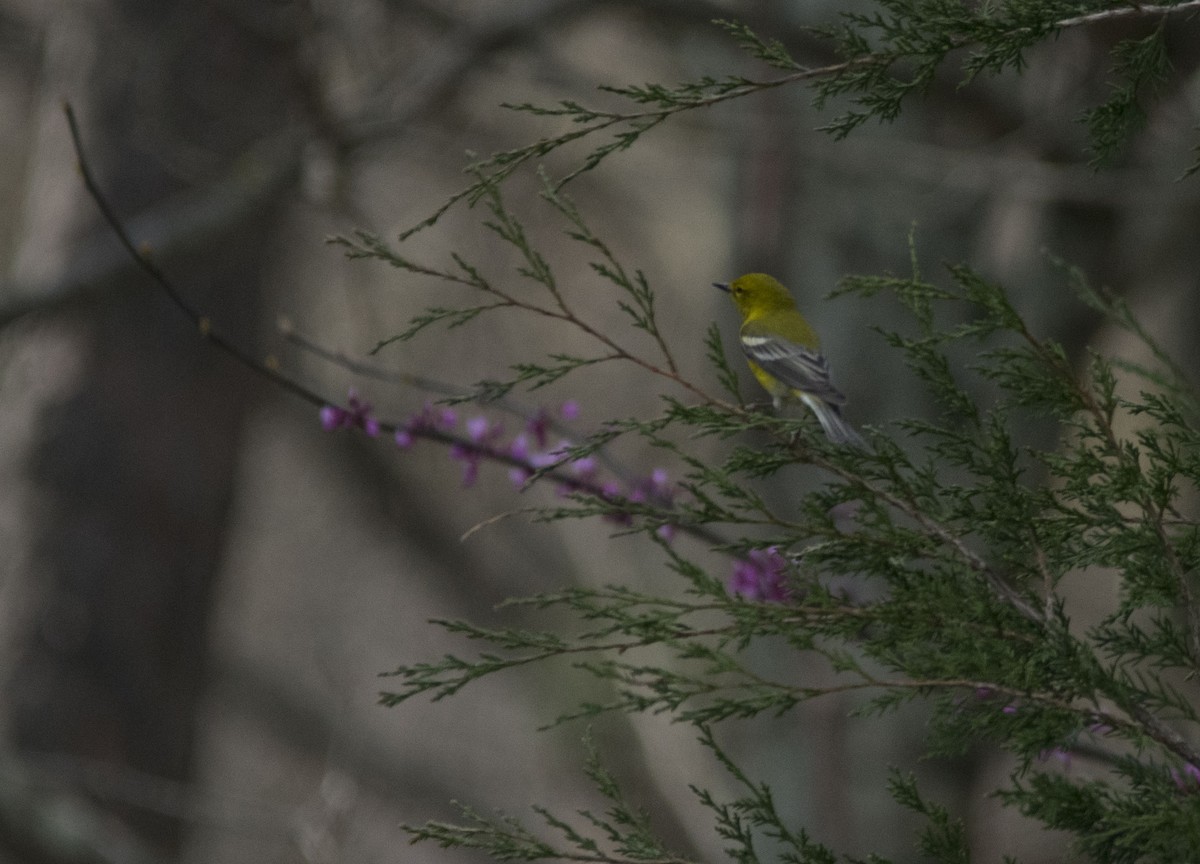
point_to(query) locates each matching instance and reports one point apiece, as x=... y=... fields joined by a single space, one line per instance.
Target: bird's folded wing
x=791 y=363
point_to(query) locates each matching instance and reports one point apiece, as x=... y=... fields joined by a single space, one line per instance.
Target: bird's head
x=757 y=293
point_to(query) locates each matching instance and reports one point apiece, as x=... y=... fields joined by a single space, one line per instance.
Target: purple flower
x=611 y=491
x=356 y=414
x=332 y=418
x=655 y=489
x=570 y=410
x=1061 y=754
x=481 y=429
x=481 y=432
x=539 y=427
x=761 y=576
x=404 y=438
x=1188 y=780
x=470 y=457
x=584 y=467
x=545 y=460
x=659 y=488
x=518 y=448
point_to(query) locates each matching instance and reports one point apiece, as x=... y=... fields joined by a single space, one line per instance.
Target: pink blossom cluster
x=356 y=415
x=761 y=576
x=479 y=439
x=427 y=419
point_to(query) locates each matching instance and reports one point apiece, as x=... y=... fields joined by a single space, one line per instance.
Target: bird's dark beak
x=724 y=286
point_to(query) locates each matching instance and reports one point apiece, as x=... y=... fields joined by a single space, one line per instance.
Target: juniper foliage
x=959 y=528
x=885 y=57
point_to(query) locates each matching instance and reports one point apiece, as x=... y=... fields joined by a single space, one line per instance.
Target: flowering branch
x=479 y=442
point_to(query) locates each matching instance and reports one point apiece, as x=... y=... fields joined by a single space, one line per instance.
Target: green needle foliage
x=960 y=533
x=885 y=57
x=957 y=530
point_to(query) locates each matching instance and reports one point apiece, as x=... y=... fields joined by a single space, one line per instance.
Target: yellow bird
x=783 y=352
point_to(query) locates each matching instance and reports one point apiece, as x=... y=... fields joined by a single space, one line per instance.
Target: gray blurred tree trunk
x=136 y=466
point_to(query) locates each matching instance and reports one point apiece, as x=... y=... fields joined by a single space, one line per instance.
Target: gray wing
x=796 y=366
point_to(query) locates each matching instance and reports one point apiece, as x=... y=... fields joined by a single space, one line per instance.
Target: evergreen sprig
x=886 y=55
x=622 y=834
x=1140 y=67
x=548 y=299
x=927 y=569
x=959 y=529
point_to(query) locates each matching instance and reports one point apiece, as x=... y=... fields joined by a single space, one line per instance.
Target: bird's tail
x=837 y=428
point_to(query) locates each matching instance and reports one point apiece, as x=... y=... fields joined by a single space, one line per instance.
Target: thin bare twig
x=266 y=368
x=1133 y=10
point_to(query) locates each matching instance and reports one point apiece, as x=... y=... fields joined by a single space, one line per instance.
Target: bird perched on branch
x=784 y=352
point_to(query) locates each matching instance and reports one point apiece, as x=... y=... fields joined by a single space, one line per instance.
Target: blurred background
x=199 y=587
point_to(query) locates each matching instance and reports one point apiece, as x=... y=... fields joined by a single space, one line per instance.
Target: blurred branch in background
x=182 y=227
